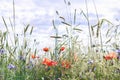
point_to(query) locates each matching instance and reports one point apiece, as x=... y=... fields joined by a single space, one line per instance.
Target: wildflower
x=46 y=49
x=21 y=58
x=2 y=51
x=30 y=65
x=118 y=51
x=110 y=56
x=62 y=48
x=113 y=54
x=33 y=56
x=90 y=61
x=118 y=54
x=49 y=62
x=107 y=57
x=66 y=64
x=11 y=66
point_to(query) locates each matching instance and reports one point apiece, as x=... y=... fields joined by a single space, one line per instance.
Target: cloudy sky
x=40 y=13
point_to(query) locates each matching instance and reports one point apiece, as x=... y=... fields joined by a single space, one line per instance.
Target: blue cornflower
x=2 y=51
x=118 y=51
x=90 y=61
x=11 y=66
x=21 y=58
x=30 y=65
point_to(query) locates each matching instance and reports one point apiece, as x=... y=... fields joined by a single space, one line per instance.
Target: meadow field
x=69 y=58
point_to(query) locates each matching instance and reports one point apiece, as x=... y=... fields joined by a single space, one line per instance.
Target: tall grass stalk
x=88 y=23
x=98 y=25
x=56 y=41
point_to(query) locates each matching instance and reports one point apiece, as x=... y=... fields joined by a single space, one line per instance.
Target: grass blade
x=75 y=16
x=92 y=29
x=26 y=28
x=5 y=23
x=77 y=29
x=108 y=40
x=62 y=18
x=31 y=30
x=66 y=23
x=54 y=24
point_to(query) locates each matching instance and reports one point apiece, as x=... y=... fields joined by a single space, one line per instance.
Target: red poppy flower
x=46 y=61
x=33 y=56
x=107 y=57
x=62 y=48
x=46 y=49
x=49 y=62
x=110 y=56
x=113 y=54
x=66 y=64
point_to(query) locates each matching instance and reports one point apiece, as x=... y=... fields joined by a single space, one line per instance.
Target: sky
x=40 y=13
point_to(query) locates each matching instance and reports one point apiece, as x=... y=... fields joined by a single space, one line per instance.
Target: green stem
x=88 y=23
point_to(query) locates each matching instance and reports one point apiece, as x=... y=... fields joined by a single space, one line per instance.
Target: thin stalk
x=14 y=14
x=56 y=41
x=88 y=23
x=101 y=42
x=7 y=28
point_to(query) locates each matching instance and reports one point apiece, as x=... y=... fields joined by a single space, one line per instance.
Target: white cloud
x=40 y=13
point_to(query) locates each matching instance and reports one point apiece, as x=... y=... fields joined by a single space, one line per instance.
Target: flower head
x=107 y=57
x=62 y=48
x=21 y=58
x=110 y=56
x=30 y=65
x=118 y=51
x=46 y=49
x=66 y=64
x=49 y=62
x=2 y=51
x=11 y=66
x=90 y=62
x=118 y=55
x=34 y=56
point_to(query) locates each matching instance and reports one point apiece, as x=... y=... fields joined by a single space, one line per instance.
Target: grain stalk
x=88 y=23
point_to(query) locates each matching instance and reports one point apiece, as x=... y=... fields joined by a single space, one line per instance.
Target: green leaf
x=62 y=18
x=66 y=23
x=5 y=23
x=5 y=34
x=75 y=16
x=92 y=29
x=77 y=29
x=16 y=39
x=31 y=30
x=26 y=28
x=55 y=36
x=54 y=24
x=108 y=31
x=108 y=40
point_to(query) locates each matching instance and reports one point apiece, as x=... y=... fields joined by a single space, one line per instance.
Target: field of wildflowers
x=69 y=59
